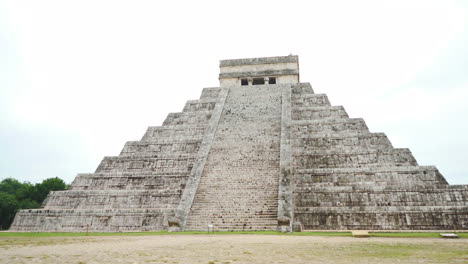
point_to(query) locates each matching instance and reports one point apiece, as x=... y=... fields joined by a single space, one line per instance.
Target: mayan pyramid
x=260 y=152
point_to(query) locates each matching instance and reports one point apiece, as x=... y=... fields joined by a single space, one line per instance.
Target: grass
x=418 y=234
x=156 y=233
x=150 y=233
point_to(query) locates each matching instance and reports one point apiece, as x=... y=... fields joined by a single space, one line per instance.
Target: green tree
x=8 y=207
x=51 y=184
x=26 y=191
x=10 y=186
x=28 y=204
x=15 y=195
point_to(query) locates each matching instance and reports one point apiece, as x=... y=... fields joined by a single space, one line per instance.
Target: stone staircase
x=238 y=189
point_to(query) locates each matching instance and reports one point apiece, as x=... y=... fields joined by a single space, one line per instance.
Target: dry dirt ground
x=210 y=249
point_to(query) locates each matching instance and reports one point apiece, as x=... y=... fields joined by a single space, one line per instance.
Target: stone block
x=448 y=235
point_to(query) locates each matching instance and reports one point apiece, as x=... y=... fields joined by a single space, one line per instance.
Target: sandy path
x=210 y=249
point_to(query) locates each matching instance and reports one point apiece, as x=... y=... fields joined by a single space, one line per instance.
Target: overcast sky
x=80 y=78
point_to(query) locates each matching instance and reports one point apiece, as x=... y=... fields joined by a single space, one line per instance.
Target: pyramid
x=260 y=152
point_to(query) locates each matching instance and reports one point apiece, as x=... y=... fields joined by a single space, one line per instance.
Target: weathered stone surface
x=239 y=186
x=360 y=233
x=285 y=188
x=193 y=181
x=297 y=227
x=448 y=235
x=256 y=157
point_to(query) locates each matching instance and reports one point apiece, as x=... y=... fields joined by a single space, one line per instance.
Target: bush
x=8 y=207
x=15 y=195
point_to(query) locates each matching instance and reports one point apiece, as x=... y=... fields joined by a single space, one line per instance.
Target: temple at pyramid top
x=259 y=71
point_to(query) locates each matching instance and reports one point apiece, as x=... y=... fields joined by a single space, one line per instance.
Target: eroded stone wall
x=346 y=177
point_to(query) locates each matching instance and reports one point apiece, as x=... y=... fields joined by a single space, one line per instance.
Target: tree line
x=15 y=195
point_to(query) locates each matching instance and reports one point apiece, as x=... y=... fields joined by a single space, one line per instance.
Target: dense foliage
x=15 y=195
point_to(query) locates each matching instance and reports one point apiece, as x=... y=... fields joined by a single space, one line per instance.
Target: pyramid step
x=359 y=158
x=318 y=112
x=174 y=132
x=188 y=118
x=308 y=100
x=302 y=88
x=211 y=92
x=207 y=104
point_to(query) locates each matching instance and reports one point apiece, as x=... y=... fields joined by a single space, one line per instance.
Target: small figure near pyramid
x=260 y=152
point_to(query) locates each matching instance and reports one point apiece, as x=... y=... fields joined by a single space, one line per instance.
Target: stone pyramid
x=260 y=152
